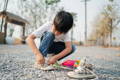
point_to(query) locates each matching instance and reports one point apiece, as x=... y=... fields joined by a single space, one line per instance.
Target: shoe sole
x=92 y=75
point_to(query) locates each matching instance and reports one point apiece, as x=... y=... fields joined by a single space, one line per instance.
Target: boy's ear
x=53 y=28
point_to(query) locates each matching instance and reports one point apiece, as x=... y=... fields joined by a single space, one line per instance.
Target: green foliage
x=38 y=12
x=51 y=2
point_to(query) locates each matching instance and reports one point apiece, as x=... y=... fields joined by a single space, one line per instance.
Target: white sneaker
x=80 y=70
x=48 y=68
x=43 y=67
x=83 y=61
x=81 y=73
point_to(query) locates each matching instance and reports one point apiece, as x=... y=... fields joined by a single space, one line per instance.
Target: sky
x=94 y=7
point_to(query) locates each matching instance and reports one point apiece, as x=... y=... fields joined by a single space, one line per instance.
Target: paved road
x=105 y=60
x=16 y=63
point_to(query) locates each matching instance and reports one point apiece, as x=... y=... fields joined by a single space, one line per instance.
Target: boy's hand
x=40 y=59
x=52 y=60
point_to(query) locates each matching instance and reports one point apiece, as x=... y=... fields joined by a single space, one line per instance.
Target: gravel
x=16 y=63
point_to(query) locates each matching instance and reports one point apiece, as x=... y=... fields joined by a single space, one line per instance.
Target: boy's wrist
x=56 y=57
x=38 y=54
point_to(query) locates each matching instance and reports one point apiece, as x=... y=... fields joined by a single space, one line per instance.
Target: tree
x=37 y=11
x=100 y=30
x=108 y=20
x=111 y=14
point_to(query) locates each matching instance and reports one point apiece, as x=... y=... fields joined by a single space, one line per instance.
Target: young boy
x=54 y=39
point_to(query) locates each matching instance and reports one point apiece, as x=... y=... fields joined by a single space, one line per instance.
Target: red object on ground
x=69 y=63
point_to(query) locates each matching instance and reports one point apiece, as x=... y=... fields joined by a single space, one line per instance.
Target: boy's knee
x=46 y=42
x=49 y=34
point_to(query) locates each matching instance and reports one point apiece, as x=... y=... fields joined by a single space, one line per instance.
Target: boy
x=54 y=39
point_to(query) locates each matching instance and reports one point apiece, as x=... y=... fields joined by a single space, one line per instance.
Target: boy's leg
x=57 y=47
x=46 y=42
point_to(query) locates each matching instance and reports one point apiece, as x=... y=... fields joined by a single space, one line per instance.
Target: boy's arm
x=31 y=43
x=66 y=51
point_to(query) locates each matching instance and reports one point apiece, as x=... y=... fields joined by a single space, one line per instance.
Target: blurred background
x=96 y=22
x=96 y=30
